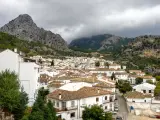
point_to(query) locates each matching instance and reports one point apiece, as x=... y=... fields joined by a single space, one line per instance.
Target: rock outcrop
x=24 y=28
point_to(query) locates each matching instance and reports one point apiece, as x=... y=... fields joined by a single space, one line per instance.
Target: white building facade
x=70 y=104
x=28 y=73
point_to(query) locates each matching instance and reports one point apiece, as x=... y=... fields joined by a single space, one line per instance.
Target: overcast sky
x=80 y=18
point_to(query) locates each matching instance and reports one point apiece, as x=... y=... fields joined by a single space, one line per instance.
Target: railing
x=69 y=108
x=108 y=101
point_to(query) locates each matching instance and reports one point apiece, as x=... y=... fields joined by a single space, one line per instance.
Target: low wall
x=143 y=106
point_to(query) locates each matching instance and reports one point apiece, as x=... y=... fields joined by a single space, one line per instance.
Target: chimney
x=15 y=50
x=98 y=91
x=60 y=96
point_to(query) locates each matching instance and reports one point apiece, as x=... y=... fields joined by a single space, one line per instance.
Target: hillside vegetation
x=30 y=48
x=100 y=43
x=143 y=53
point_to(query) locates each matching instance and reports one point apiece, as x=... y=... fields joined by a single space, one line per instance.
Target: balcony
x=66 y=108
x=108 y=101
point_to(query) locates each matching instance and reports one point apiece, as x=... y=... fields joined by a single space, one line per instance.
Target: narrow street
x=123 y=111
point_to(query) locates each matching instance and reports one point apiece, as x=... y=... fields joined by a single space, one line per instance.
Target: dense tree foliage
x=95 y=113
x=113 y=77
x=139 y=80
x=157 y=90
x=12 y=99
x=52 y=63
x=124 y=86
x=42 y=110
x=158 y=78
x=31 y=48
x=97 y=63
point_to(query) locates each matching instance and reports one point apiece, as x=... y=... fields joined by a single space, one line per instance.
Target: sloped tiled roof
x=104 y=85
x=84 y=92
x=137 y=95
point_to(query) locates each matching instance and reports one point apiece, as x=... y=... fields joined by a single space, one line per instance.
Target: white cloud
x=82 y=18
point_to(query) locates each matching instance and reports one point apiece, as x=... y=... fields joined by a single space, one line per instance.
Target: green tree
x=52 y=63
x=21 y=107
x=124 y=87
x=95 y=113
x=9 y=90
x=106 y=64
x=158 y=78
x=139 y=80
x=42 y=109
x=113 y=77
x=97 y=64
x=13 y=100
x=150 y=81
x=157 y=90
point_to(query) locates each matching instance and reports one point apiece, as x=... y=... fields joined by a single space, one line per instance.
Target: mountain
x=142 y=53
x=31 y=48
x=24 y=28
x=105 y=42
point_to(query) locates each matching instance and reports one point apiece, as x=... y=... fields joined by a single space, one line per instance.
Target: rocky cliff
x=24 y=28
x=105 y=42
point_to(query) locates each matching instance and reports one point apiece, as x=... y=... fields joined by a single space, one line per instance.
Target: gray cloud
x=82 y=18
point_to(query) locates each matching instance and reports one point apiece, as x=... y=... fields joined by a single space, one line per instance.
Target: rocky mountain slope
x=24 y=28
x=142 y=53
x=105 y=42
x=31 y=48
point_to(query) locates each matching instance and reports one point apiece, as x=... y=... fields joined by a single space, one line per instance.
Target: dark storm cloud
x=80 y=18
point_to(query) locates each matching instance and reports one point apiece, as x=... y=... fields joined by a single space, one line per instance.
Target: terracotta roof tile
x=104 y=85
x=81 y=93
x=136 y=94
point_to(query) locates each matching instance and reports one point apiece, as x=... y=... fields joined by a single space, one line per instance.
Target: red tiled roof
x=81 y=93
x=104 y=85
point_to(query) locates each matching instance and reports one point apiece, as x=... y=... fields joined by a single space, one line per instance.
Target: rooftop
x=104 y=85
x=137 y=95
x=84 y=92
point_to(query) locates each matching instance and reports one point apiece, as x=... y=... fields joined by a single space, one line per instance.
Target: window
x=105 y=97
x=144 y=100
x=57 y=104
x=134 y=89
x=53 y=101
x=150 y=91
x=105 y=107
x=63 y=104
x=144 y=91
x=72 y=114
x=83 y=101
x=72 y=103
x=110 y=105
x=97 y=99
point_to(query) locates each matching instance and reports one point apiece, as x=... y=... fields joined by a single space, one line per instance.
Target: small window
x=97 y=99
x=134 y=89
x=110 y=105
x=72 y=114
x=72 y=104
x=133 y=101
x=144 y=100
x=57 y=104
x=144 y=91
x=105 y=107
x=150 y=91
x=105 y=97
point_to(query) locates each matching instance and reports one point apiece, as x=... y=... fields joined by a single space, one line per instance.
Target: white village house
x=114 y=66
x=107 y=71
x=28 y=72
x=70 y=101
x=145 y=88
x=121 y=75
